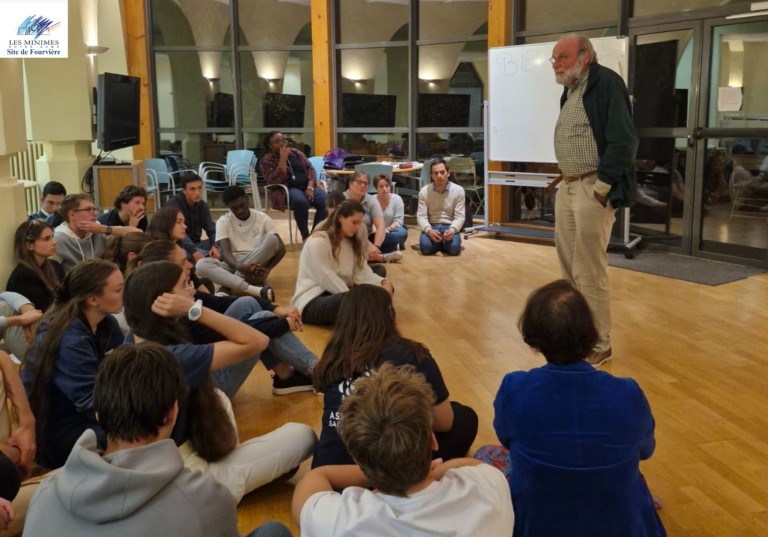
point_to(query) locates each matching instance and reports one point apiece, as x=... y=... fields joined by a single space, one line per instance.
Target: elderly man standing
x=595 y=145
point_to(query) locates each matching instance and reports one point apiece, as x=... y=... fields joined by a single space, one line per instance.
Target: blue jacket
x=70 y=396
x=575 y=438
x=606 y=103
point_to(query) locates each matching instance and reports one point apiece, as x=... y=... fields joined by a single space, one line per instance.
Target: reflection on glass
x=364 y=21
x=433 y=145
x=735 y=193
x=283 y=102
x=662 y=79
x=204 y=23
x=186 y=98
x=660 y=171
x=739 y=74
x=656 y=7
x=539 y=15
x=392 y=146
x=551 y=38
x=374 y=88
x=274 y=24
x=452 y=20
x=450 y=86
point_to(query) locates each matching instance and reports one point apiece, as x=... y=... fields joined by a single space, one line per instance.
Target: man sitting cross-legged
x=138 y=485
x=249 y=248
x=386 y=425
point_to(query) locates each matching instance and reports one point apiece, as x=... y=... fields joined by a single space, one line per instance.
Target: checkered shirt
x=575 y=146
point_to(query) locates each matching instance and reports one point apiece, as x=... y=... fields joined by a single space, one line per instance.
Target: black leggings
x=456 y=442
x=322 y=311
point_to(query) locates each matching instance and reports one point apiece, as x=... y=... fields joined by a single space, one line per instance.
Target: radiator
x=23 y=162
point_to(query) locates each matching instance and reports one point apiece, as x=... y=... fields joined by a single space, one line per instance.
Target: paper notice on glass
x=729 y=99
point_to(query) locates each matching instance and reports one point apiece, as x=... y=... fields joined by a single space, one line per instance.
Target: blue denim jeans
x=392 y=240
x=286 y=348
x=270 y=529
x=300 y=205
x=451 y=247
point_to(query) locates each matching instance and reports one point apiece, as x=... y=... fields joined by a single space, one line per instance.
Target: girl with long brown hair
x=366 y=336
x=36 y=275
x=75 y=335
x=157 y=295
x=333 y=260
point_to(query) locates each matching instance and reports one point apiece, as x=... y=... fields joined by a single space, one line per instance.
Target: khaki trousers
x=582 y=231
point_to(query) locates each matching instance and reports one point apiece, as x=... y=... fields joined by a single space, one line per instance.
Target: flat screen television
x=365 y=110
x=117 y=111
x=444 y=110
x=222 y=110
x=283 y=111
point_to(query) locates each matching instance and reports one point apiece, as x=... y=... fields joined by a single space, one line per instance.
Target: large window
x=411 y=82
x=212 y=95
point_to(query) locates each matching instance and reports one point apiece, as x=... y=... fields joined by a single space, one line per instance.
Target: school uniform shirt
x=467 y=501
x=330 y=449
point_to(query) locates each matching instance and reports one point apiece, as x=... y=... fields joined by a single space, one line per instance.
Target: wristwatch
x=195 y=311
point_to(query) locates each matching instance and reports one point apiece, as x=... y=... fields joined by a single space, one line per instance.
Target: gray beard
x=571 y=75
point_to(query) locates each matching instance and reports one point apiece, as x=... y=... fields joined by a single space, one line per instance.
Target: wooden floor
x=700 y=354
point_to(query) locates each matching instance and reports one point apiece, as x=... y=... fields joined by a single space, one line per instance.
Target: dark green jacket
x=606 y=103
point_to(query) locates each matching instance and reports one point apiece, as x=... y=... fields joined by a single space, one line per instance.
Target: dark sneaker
x=298 y=382
x=267 y=293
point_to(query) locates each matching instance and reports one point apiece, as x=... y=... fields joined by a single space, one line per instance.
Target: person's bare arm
x=325 y=478
x=439 y=471
x=23 y=438
x=240 y=340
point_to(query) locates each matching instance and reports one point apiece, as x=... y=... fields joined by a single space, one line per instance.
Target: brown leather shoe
x=596 y=359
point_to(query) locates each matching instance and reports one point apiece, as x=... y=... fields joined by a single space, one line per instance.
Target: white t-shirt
x=467 y=502
x=244 y=235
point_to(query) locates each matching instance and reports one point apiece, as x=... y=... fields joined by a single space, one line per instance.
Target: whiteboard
x=524 y=99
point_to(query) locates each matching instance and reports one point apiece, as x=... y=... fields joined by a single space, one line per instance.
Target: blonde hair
x=386 y=425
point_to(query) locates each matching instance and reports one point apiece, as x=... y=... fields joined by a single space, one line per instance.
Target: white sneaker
x=392 y=257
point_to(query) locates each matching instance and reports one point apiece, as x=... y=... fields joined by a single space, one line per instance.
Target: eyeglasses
x=562 y=57
x=93 y=210
x=360 y=182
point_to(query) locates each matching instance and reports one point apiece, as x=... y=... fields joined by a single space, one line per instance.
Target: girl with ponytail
x=74 y=336
x=157 y=295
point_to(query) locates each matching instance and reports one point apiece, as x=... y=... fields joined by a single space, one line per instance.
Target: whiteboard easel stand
x=535 y=180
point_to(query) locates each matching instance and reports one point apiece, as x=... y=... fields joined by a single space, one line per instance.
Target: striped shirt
x=575 y=145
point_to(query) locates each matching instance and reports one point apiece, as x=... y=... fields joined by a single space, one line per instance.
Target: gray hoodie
x=71 y=249
x=142 y=491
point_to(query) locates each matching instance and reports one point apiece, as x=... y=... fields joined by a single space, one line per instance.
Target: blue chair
x=160 y=179
x=240 y=169
x=412 y=186
x=373 y=169
x=319 y=165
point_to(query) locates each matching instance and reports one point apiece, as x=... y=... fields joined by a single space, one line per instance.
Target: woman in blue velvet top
x=575 y=435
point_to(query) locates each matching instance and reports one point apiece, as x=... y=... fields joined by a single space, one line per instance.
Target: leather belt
x=572 y=178
x=569 y=178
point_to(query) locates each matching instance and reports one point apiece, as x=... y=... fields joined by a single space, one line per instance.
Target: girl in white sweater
x=332 y=261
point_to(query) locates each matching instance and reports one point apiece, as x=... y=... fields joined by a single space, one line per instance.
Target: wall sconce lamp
x=95 y=50
x=212 y=79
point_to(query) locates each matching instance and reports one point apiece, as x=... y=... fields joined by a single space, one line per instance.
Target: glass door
x=732 y=143
x=663 y=85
